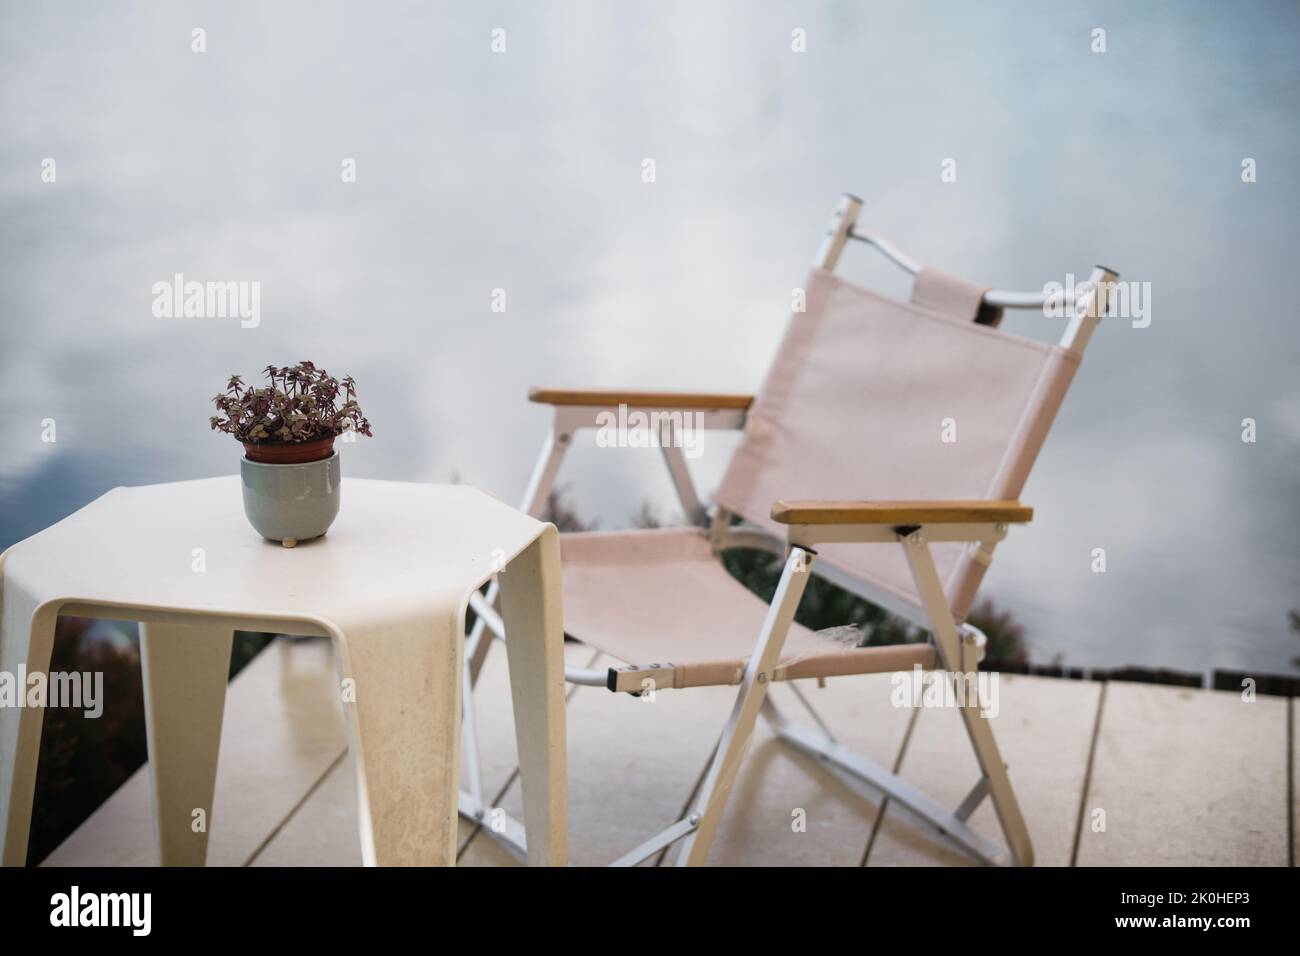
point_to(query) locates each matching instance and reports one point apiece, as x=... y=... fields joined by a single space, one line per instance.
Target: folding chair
x=856 y=420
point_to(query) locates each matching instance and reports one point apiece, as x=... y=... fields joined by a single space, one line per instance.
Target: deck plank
x=1185 y=776
x=282 y=730
x=1188 y=778
x=775 y=780
x=1044 y=728
x=615 y=738
x=632 y=764
x=323 y=831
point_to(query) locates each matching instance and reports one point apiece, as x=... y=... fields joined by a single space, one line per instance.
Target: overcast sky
x=521 y=170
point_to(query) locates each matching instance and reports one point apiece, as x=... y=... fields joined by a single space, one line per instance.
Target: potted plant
x=290 y=470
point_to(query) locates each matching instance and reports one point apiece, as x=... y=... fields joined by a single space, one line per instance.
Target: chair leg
x=712 y=798
x=469 y=745
x=977 y=727
x=185 y=669
x=480 y=638
x=951 y=825
x=1001 y=792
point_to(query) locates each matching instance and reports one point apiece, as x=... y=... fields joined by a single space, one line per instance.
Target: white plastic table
x=388 y=584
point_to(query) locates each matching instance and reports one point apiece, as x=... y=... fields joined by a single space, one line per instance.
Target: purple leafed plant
x=302 y=403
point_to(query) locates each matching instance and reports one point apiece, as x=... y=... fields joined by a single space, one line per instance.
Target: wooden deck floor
x=1107 y=774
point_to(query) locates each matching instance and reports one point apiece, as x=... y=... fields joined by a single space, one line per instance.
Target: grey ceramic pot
x=291 y=503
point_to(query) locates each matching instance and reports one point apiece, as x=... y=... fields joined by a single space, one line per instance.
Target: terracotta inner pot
x=289 y=453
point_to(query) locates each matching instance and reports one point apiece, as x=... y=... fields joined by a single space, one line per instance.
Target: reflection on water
x=521 y=171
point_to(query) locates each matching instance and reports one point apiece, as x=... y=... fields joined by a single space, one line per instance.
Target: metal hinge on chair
x=974 y=645
x=635 y=679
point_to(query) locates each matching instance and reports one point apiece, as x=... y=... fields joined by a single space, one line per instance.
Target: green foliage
x=1294 y=617
x=247 y=645
x=559 y=513
x=1006 y=635
x=824 y=605
x=83 y=761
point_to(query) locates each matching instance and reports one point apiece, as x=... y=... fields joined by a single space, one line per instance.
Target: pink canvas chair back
x=875 y=399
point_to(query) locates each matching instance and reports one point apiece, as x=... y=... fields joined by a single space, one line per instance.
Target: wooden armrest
x=642 y=399
x=900 y=512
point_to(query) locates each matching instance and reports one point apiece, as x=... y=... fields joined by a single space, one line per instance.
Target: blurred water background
x=522 y=171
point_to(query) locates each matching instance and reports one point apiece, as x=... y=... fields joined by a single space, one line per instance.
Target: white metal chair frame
x=959 y=647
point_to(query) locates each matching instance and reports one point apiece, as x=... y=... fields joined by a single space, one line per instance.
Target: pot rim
x=286 y=444
x=290 y=452
x=245 y=460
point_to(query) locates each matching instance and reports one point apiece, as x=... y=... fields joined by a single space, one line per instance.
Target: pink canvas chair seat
x=661 y=597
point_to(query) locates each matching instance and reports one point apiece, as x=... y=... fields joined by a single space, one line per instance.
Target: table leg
x=26 y=641
x=185 y=670
x=401 y=689
x=531 y=609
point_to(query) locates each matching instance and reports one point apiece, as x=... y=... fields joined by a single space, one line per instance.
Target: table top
x=187 y=546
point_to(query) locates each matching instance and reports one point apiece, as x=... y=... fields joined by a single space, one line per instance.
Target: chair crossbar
x=945 y=822
x=973 y=799
x=505 y=829
x=665 y=838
